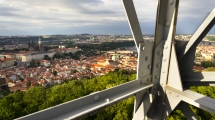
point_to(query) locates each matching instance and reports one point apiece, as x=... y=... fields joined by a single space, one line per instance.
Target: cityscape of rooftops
x=44 y=44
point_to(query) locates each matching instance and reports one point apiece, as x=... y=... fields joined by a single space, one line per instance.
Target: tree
x=207 y=64
x=54 y=73
x=74 y=71
x=32 y=63
x=28 y=84
x=21 y=79
x=46 y=57
x=15 y=63
x=38 y=63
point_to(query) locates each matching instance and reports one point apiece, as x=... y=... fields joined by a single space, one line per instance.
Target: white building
x=36 y=56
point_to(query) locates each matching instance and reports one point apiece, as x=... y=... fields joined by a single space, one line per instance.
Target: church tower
x=40 y=45
x=31 y=46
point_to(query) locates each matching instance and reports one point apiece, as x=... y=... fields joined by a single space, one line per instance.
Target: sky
x=49 y=17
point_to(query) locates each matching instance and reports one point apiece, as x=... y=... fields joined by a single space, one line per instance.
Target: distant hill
x=211 y=38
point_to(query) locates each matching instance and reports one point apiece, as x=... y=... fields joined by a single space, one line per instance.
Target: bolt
x=171 y=2
x=158 y=65
x=167 y=24
x=161 y=84
x=166 y=46
x=149 y=66
x=148 y=79
x=159 y=53
x=157 y=77
x=96 y=97
x=143 y=47
x=146 y=59
x=141 y=81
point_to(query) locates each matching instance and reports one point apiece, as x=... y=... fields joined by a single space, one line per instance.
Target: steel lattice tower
x=164 y=72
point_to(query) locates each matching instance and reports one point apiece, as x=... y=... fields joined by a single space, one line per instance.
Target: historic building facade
x=37 y=47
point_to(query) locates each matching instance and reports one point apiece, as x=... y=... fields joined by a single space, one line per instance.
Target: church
x=37 y=47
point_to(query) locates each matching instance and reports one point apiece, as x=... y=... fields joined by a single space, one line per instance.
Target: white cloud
x=55 y=14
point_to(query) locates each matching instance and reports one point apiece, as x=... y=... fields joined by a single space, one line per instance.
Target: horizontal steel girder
x=193 y=98
x=89 y=104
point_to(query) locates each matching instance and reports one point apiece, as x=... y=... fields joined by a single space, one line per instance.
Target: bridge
x=164 y=74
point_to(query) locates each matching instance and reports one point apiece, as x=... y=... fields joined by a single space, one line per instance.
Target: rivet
x=159 y=93
x=157 y=77
x=164 y=59
x=96 y=97
x=167 y=24
x=141 y=81
x=163 y=71
x=143 y=47
x=146 y=59
x=148 y=79
x=166 y=46
x=161 y=84
x=107 y=100
x=158 y=65
x=171 y=2
x=149 y=66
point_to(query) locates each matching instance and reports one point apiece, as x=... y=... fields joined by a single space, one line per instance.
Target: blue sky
x=47 y=17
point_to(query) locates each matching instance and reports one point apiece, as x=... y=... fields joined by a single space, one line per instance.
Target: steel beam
x=174 y=77
x=193 y=98
x=200 y=33
x=165 y=32
x=141 y=112
x=186 y=55
x=170 y=104
x=89 y=104
x=142 y=103
x=133 y=21
x=198 y=79
x=186 y=110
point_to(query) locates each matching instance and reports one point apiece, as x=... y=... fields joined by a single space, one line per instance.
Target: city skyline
x=29 y=17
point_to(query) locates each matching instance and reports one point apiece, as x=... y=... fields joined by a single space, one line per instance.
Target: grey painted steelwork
x=133 y=22
x=164 y=71
x=91 y=103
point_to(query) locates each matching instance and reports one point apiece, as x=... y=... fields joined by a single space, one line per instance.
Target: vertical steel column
x=145 y=50
x=142 y=101
x=164 y=36
x=133 y=22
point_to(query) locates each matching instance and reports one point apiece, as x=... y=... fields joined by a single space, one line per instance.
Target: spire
x=32 y=43
x=29 y=44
